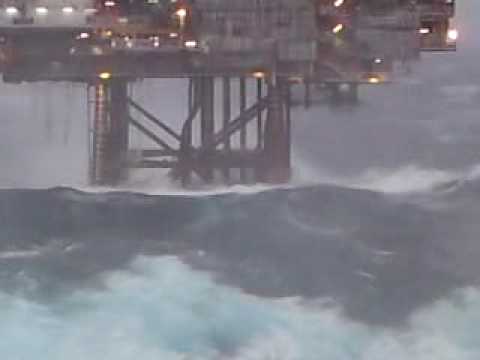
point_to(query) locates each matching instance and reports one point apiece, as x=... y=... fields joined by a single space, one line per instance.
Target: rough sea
x=371 y=253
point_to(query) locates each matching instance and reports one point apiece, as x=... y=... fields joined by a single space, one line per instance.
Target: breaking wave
x=298 y=273
x=406 y=179
x=160 y=308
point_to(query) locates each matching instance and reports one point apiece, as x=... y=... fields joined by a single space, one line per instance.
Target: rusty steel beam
x=110 y=133
x=275 y=164
x=99 y=159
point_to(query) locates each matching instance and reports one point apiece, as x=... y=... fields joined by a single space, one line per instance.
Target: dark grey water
x=311 y=272
x=361 y=274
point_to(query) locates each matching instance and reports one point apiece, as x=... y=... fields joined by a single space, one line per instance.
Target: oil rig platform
x=253 y=49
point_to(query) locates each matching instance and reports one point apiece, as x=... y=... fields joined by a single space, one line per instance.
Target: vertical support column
x=288 y=119
x=276 y=164
x=191 y=93
x=110 y=133
x=259 y=115
x=243 y=130
x=194 y=92
x=207 y=130
x=119 y=129
x=101 y=128
x=227 y=114
x=260 y=135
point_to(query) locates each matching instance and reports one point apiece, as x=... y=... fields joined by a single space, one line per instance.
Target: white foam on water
x=54 y=246
x=161 y=309
x=204 y=191
x=406 y=179
x=155 y=183
x=19 y=254
x=170 y=189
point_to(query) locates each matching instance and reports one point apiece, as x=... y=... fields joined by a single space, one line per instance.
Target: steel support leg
x=119 y=129
x=186 y=157
x=227 y=114
x=191 y=93
x=276 y=163
x=259 y=115
x=243 y=130
x=260 y=134
x=101 y=128
x=110 y=133
x=288 y=119
x=207 y=130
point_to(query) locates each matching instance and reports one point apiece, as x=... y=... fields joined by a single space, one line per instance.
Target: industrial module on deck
x=326 y=41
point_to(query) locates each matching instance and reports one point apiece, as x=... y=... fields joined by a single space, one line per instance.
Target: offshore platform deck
x=264 y=46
